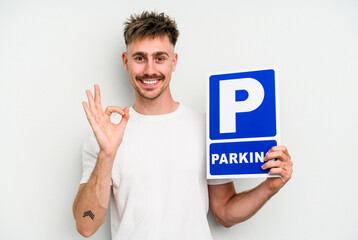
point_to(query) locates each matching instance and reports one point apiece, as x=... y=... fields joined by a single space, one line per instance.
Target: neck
x=163 y=104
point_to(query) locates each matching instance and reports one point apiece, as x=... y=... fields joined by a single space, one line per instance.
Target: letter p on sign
x=229 y=105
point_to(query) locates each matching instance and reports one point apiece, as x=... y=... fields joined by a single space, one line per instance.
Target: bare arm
x=91 y=203
x=230 y=208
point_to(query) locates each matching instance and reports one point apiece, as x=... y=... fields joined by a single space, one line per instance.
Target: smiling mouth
x=150 y=79
x=149 y=82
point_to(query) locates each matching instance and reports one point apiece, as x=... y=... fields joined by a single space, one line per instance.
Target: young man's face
x=150 y=63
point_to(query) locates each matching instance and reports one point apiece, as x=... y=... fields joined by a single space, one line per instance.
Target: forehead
x=151 y=45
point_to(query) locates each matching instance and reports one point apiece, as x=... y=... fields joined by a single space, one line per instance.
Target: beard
x=160 y=77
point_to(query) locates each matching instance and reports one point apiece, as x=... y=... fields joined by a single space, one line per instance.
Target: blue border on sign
x=260 y=122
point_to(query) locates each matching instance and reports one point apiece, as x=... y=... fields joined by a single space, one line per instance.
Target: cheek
x=166 y=69
x=133 y=69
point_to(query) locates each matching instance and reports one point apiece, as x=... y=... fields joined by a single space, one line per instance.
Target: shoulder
x=192 y=112
x=192 y=118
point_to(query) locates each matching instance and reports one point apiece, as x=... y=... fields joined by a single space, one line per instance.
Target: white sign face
x=242 y=123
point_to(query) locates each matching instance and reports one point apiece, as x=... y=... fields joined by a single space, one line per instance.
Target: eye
x=139 y=59
x=161 y=58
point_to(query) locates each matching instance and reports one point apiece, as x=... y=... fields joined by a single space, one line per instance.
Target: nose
x=149 y=68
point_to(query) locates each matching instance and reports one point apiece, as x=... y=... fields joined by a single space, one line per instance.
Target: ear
x=174 y=63
x=125 y=60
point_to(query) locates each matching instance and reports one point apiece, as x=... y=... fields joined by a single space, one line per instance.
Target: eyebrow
x=139 y=54
x=156 y=54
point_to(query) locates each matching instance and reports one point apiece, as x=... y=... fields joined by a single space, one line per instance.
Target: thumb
x=125 y=117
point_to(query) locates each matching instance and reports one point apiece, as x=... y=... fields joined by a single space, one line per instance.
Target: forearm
x=230 y=208
x=242 y=206
x=92 y=201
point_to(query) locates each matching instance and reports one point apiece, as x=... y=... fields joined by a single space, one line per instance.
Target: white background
x=52 y=51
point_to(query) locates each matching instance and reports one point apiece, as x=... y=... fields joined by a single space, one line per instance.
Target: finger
x=111 y=109
x=285 y=174
x=87 y=111
x=285 y=151
x=272 y=164
x=276 y=171
x=279 y=148
x=277 y=155
x=90 y=100
x=97 y=96
x=125 y=117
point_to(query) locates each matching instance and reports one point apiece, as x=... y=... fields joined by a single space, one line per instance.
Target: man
x=151 y=165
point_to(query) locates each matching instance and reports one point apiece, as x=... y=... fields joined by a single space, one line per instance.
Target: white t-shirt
x=159 y=185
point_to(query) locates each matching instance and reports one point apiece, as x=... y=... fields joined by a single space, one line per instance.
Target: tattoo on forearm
x=89 y=213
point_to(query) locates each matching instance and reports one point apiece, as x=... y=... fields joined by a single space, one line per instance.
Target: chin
x=149 y=96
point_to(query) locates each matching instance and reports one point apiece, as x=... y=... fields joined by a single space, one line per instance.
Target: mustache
x=146 y=76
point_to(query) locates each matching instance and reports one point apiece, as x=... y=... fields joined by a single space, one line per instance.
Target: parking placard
x=242 y=122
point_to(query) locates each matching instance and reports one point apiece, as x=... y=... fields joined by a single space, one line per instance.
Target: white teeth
x=150 y=82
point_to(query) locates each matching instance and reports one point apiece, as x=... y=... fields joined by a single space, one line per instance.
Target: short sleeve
x=218 y=181
x=90 y=152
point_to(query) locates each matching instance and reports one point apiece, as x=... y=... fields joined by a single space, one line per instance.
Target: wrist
x=103 y=170
x=270 y=189
x=107 y=154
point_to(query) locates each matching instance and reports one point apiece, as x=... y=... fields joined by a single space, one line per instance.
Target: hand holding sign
x=109 y=135
x=282 y=166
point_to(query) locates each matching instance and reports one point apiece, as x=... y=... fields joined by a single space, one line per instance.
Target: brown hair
x=150 y=24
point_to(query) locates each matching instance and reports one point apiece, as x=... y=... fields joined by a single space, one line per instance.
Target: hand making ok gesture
x=109 y=135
